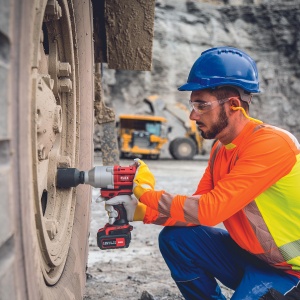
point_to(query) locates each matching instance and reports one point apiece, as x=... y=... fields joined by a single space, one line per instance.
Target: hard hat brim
x=190 y=86
x=193 y=86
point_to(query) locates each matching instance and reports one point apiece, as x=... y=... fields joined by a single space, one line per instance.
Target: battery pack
x=114 y=237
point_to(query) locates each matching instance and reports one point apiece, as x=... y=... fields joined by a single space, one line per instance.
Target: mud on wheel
x=52 y=105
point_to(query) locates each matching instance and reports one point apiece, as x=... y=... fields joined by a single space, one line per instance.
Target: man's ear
x=234 y=102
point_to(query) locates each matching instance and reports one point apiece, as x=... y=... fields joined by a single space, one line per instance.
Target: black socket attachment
x=69 y=177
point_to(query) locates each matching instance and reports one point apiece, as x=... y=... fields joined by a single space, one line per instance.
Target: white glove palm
x=129 y=203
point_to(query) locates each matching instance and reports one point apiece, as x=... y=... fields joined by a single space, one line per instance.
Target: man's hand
x=130 y=204
x=143 y=180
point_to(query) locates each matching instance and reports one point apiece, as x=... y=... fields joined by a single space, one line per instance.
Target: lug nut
x=53 y=10
x=65 y=85
x=52 y=228
x=64 y=162
x=64 y=69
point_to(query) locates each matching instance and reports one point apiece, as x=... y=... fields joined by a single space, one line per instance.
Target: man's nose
x=193 y=115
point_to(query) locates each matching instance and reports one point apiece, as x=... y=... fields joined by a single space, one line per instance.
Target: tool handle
x=122 y=215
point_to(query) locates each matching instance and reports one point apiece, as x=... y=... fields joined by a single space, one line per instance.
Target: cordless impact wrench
x=113 y=181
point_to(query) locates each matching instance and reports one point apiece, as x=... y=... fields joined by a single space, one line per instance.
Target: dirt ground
x=139 y=272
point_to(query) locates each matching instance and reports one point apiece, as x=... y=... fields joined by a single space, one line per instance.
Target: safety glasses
x=203 y=107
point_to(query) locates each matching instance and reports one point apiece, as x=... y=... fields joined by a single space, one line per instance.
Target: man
x=251 y=184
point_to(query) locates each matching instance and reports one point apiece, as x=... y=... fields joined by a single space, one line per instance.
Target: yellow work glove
x=143 y=180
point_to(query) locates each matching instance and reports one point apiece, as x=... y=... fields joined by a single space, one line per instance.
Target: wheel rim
x=184 y=149
x=55 y=133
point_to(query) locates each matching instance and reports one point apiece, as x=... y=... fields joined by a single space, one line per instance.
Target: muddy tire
x=46 y=72
x=183 y=148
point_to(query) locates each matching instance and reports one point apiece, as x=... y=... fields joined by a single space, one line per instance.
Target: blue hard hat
x=223 y=66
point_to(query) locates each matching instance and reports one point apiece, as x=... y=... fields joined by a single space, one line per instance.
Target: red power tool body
x=118 y=234
x=113 y=181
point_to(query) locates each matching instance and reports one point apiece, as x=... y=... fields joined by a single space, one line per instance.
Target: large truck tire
x=182 y=148
x=46 y=118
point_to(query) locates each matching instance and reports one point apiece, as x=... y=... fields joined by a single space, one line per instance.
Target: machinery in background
x=141 y=135
x=185 y=141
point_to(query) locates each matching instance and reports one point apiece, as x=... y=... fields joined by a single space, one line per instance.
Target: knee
x=170 y=233
x=166 y=235
x=166 y=238
x=189 y=237
x=172 y=239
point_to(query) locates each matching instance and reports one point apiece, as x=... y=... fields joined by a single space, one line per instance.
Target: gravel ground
x=139 y=272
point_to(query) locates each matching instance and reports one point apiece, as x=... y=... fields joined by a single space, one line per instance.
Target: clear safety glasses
x=203 y=107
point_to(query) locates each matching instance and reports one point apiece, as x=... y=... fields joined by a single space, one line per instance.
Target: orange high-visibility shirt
x=251 y=185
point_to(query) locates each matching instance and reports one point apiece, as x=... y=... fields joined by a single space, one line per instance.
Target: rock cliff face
x=269 y=31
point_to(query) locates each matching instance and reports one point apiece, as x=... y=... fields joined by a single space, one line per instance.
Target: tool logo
x=120 y=242
x=109 y=243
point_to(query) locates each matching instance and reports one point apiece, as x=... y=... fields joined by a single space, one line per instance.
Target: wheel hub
x=184 y=149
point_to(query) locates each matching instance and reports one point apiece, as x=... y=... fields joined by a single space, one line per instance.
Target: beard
x=217 y=127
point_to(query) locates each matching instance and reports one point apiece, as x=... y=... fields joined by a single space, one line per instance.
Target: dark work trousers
x=197 y=256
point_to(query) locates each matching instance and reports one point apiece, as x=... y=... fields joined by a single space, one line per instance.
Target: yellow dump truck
x=185 y=141
x=141 y=135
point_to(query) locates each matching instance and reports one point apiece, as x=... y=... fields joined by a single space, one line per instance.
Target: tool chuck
x=69 y=177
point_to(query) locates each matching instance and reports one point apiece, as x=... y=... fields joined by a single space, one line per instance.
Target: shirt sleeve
x=153 y=216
